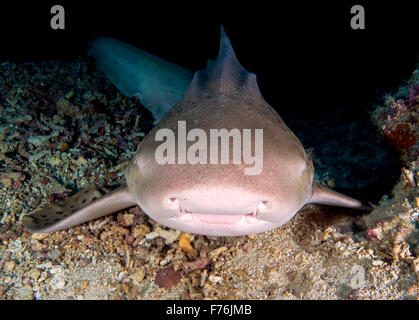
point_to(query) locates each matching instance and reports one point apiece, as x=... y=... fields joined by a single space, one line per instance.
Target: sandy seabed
x=64 y=127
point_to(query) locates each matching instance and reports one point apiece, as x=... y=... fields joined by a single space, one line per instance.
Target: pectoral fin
x=83 y=206
x=323 y=195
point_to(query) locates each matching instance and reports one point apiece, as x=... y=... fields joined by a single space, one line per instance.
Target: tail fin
x=158 y=83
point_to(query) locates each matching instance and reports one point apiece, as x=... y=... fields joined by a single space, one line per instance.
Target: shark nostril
x=173 y=202
x=265 y=204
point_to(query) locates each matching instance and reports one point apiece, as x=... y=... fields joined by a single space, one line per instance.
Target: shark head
x=196 y=195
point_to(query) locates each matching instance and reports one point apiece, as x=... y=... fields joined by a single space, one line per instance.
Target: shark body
x=208 y=199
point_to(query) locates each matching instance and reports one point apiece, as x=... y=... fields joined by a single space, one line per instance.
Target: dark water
x=351 y=154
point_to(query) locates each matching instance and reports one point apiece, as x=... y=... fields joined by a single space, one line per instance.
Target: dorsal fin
x=225 y=75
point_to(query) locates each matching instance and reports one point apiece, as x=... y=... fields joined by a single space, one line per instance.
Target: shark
x=200 y=198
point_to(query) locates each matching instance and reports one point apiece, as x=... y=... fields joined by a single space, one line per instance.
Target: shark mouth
x=218 y=218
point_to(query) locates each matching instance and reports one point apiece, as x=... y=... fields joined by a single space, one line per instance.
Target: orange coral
x=401 y=137
x=185 y=245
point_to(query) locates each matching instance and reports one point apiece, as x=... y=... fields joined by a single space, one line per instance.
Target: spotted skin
x=83 y=206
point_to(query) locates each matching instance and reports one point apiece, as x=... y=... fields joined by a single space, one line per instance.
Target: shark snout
x=213 y=210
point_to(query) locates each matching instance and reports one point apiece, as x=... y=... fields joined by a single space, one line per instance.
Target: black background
x=266 y=309
x=306 y=57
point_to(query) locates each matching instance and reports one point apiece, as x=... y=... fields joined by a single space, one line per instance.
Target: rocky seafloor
x=64 y=127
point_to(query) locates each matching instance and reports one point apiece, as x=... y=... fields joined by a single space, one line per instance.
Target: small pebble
x=128 y=219
x=39 y=236
x=204 y=276
x=9 y=266
x=34 y=274
x=24 y=293
x=140 y=231
x=81 y=161
x=217 y=252
x=62 y=146
x=377 y=262
x=215 y=279
x=167 y=277
x=169 y=235
x=138 y=276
